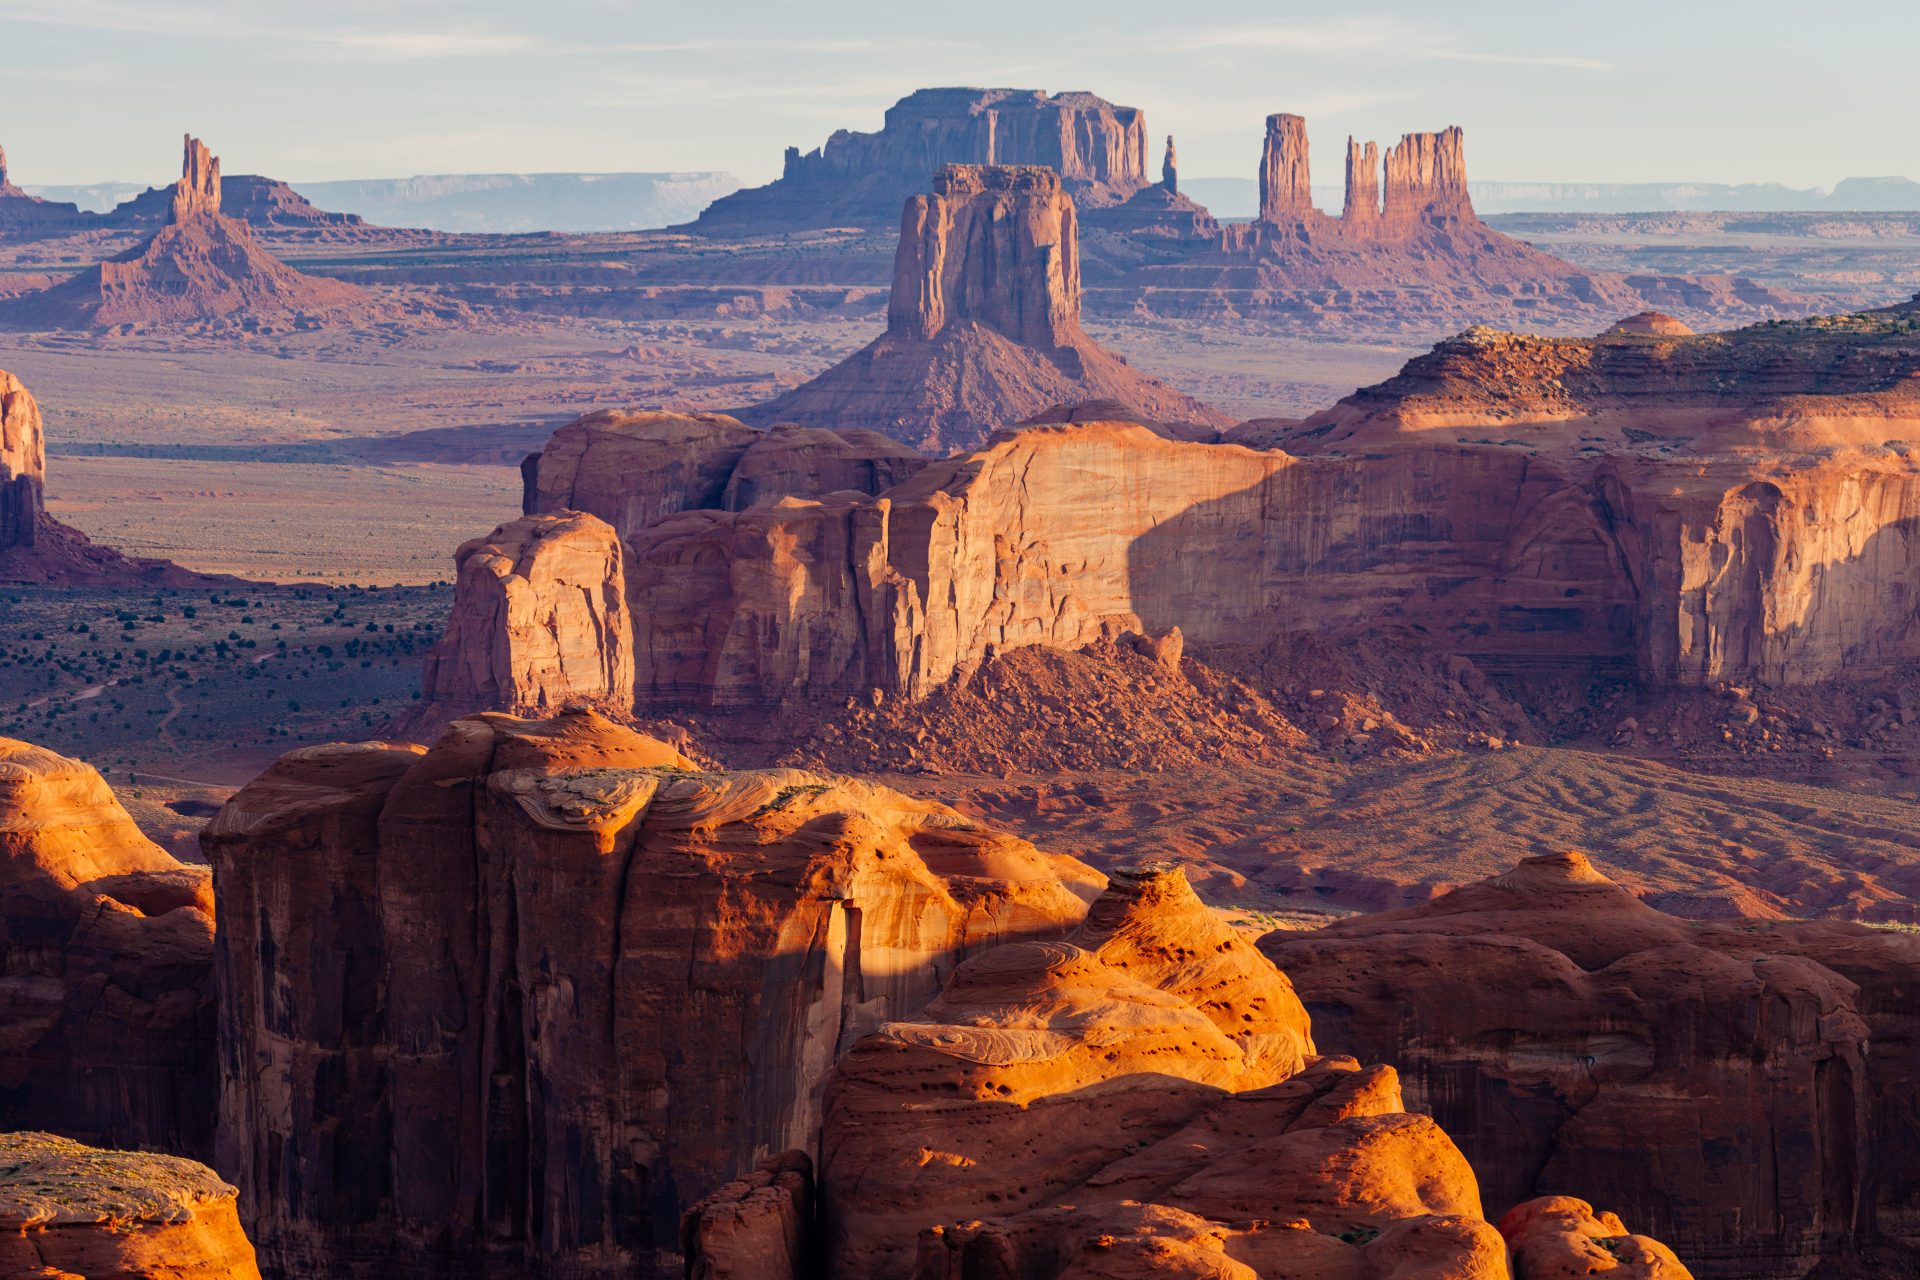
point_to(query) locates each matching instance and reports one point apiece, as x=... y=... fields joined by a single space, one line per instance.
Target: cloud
x=1521 y=59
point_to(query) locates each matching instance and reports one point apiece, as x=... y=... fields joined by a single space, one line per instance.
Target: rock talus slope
x=106 y=950
x=611 y=984
x=1735 y=1087
x=983 y=327
x=71 y=1212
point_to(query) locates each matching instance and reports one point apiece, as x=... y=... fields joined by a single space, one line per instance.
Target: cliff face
x=1138 y=1099
x=1285 y=195
x=1724 y=1084
x=106 y=947
x=609 y=983
x=983 y=326
x=23 y=462
x=859 y=179
x=69 y=1212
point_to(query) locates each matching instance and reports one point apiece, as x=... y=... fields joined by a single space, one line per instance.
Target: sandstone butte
x=36 y=548
x=20 y=212
x=859 y=179
x=202 y=266
x=71 y=1212
x=983 y=325
x=1140 y=1098
x=1742 y=1090
x=516 y=1001
x=1693 y=509
x=106 y=948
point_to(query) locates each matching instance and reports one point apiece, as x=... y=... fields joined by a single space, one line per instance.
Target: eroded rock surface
x=1732 y=1087
x=520 y=1000
x=983 y=327
x=106 y=948
x=71 y=1212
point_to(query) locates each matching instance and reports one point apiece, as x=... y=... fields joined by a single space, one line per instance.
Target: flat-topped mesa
x=996 y=245
x=198 y=190
x=1362 y=209
x=1426 y=179
x=1099 y=150
x=1285 y=194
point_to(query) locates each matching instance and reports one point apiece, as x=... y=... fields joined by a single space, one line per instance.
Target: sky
x=1548 y=90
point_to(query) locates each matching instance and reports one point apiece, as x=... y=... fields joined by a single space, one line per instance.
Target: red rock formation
x=69 y=1212
x=202 y=266
x=36 y=548
x=1362 y=209
x=1426 y=181
x=606 y=984
x=983 y=328
x=757 y=1228
x=540 y=621
x=1286 y=196
x=1654 y=323
x=1559 y=1236
x=106 y=944
x=1732 y=1085
x=1170 y=169
x=1099 y=150
x=20 y=212
x=1134 y=1101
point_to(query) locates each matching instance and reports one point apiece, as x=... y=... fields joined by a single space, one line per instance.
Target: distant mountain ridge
x=1240 y=198
x=486 y=202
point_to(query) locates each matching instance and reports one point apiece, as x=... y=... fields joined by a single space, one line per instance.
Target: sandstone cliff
x=21 y=213
x=1285 y=197
x=69 y=1212
x=106 y=948
x=1729 y=1086
x=983 y=326
x=1098 y=149
x=1138 y=1099
x=201 y=267
x=36 y=548
x=607 y=984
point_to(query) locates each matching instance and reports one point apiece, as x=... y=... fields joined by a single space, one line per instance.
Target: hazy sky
x=1628 y=90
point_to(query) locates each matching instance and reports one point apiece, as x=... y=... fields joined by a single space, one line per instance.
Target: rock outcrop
x=520 y=1000
x=1731 y=1087
x=1139 y=1099
x=36 y=548
x=983 y=327
x=29 y=214
x=1285 y=197
x=106 y=949
x=70 y=1212
x=541 y=607
x=1170 y=169
x=1099 y=151
x=1426 y=182
x=200 y=267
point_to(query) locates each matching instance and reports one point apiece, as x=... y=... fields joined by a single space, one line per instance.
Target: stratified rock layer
x=520 y=1000
x=983 y=328
x=23 y=462
x=106 y=949
x=859 y=179
x=1734 y=1088
x=70 y=1212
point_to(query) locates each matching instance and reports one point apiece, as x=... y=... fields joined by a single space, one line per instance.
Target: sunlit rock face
x=520 y=999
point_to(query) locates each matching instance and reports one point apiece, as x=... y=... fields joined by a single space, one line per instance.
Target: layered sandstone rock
x=1652 y=323
x=1139 y=1099
x=607 y=985
x=106 y=947
x=759 y=1227
x=1170 y=169
x=20 y=212
x=36 y=548
x=540 y=620
x=1099 y=150
x=1425 y=180
x=1728 y=1086
x=200 y=267
x=1362 y=208
x=983 y=327
x=70 y=1212
x=1285 y=185
x=1558 y=1236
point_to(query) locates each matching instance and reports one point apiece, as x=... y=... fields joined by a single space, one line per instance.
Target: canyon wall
x=519 y=1000
x=106 y=950
x=1730 y=1086
x=1099 y=150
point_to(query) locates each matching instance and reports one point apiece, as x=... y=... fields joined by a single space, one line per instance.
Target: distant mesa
x=202 y=266
x=1649 y=322
x=20 y=212
x=36 y=548
x=983 y=328
x=859 y=179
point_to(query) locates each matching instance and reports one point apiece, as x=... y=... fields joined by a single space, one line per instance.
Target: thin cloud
x=1521 y=59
